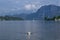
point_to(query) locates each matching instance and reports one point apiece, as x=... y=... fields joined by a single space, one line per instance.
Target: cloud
x=30 y=6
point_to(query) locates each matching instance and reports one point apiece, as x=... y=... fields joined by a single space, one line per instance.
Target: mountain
x=22 y=15
x=47 y=10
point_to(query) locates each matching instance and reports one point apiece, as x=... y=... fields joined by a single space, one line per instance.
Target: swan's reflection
x=29 y=35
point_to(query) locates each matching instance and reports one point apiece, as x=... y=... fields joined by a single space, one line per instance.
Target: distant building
x=57 y=19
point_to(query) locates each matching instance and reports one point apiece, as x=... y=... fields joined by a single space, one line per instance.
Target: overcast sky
x=15 y=5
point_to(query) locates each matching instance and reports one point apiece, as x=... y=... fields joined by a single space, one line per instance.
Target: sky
x=7 y=6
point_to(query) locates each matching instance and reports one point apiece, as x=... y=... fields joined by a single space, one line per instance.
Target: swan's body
x=28 y=33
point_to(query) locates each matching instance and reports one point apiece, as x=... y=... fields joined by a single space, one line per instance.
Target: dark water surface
x=41 y=30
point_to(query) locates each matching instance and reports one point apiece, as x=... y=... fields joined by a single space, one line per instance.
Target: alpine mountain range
x=44 y=11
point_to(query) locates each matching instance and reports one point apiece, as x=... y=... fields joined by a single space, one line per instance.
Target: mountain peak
x=47 y=8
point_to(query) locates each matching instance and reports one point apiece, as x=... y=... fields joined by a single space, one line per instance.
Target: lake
x=41 y=30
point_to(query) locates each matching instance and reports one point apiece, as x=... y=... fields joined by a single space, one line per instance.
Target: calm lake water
x=41 y=30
